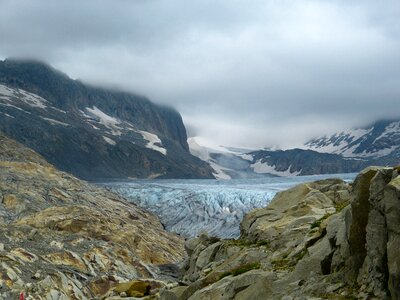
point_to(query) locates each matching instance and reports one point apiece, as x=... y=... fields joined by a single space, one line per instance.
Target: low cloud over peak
x=242 y=73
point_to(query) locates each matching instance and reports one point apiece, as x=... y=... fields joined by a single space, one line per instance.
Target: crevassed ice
x=189 y=213
x=191 y=207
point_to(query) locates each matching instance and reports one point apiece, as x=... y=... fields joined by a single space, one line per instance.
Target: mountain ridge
x=348 y=151
x=93 y=132
x=379 y=139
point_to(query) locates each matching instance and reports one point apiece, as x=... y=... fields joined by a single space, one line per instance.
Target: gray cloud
x=244 y=73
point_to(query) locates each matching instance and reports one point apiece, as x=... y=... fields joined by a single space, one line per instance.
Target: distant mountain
x=227 y=163
x=295 y=162
x=237 y=163
x=345 y=152
x=379 y=140
x=91 y=132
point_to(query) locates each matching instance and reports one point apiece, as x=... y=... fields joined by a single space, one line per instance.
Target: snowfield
x=379 y=140
x=116 y=127
x=262 y=168
x=152 y=141
x=12 y=95
x=104 y=119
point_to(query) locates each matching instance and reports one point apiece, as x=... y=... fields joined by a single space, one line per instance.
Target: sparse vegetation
x=262 y=243
x=339 y=206
x=282 y=264
x=243 y=243
x=317 y=223
x=300 y=255
x=289 y=263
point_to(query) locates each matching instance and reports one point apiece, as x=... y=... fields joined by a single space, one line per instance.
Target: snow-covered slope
x=376 y=141
x=204 y=150
x=262 y=167
x=229 y=162
x=347 y=151
x=110 y=127
x=233 y=163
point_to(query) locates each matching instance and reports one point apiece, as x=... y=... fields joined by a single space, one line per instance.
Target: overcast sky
x=242 y=73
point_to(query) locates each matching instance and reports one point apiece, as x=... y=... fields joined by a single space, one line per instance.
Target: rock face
x=321 y=240
x=305 y=162
x=91 y=132
x=61 y=238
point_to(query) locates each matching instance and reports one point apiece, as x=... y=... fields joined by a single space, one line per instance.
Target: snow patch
x=264 y=168
x=152 y=139
x=54 y=122
x=219 y=171
x=211 y=147
x=32 y=99
x=203 y=153
x=392 y=128
x=6 y=91
x=7 y=115
x=104 y=119
x=195 y=149
x=378 y=153
x=248 y=157
x=10 y=94
x=116 y=126
x=109 y=141
x=16 y=107
x=339 y=142
x=59 y=110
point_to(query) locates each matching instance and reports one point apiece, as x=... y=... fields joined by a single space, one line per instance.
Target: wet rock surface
x=321 y=240
x=61 y=238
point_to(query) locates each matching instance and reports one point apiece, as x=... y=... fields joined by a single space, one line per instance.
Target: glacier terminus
x=216 y=207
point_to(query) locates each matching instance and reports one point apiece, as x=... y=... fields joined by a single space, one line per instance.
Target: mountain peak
x=379 y=139
x=31 y=67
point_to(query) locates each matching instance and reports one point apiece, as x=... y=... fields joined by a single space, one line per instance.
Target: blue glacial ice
x=191 y=207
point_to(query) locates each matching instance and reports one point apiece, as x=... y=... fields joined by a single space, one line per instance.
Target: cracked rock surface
x=61 y=238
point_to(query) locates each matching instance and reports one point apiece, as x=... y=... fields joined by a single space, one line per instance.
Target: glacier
x=216 y=207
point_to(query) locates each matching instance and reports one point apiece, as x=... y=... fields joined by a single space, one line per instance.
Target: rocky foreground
x=321 y=240
x=61 y=238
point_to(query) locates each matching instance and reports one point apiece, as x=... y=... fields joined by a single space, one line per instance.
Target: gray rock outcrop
x=321 y=240
x=61 y=238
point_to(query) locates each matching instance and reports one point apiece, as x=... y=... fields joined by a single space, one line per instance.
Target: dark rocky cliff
x=93 y=132
x=308 y=162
